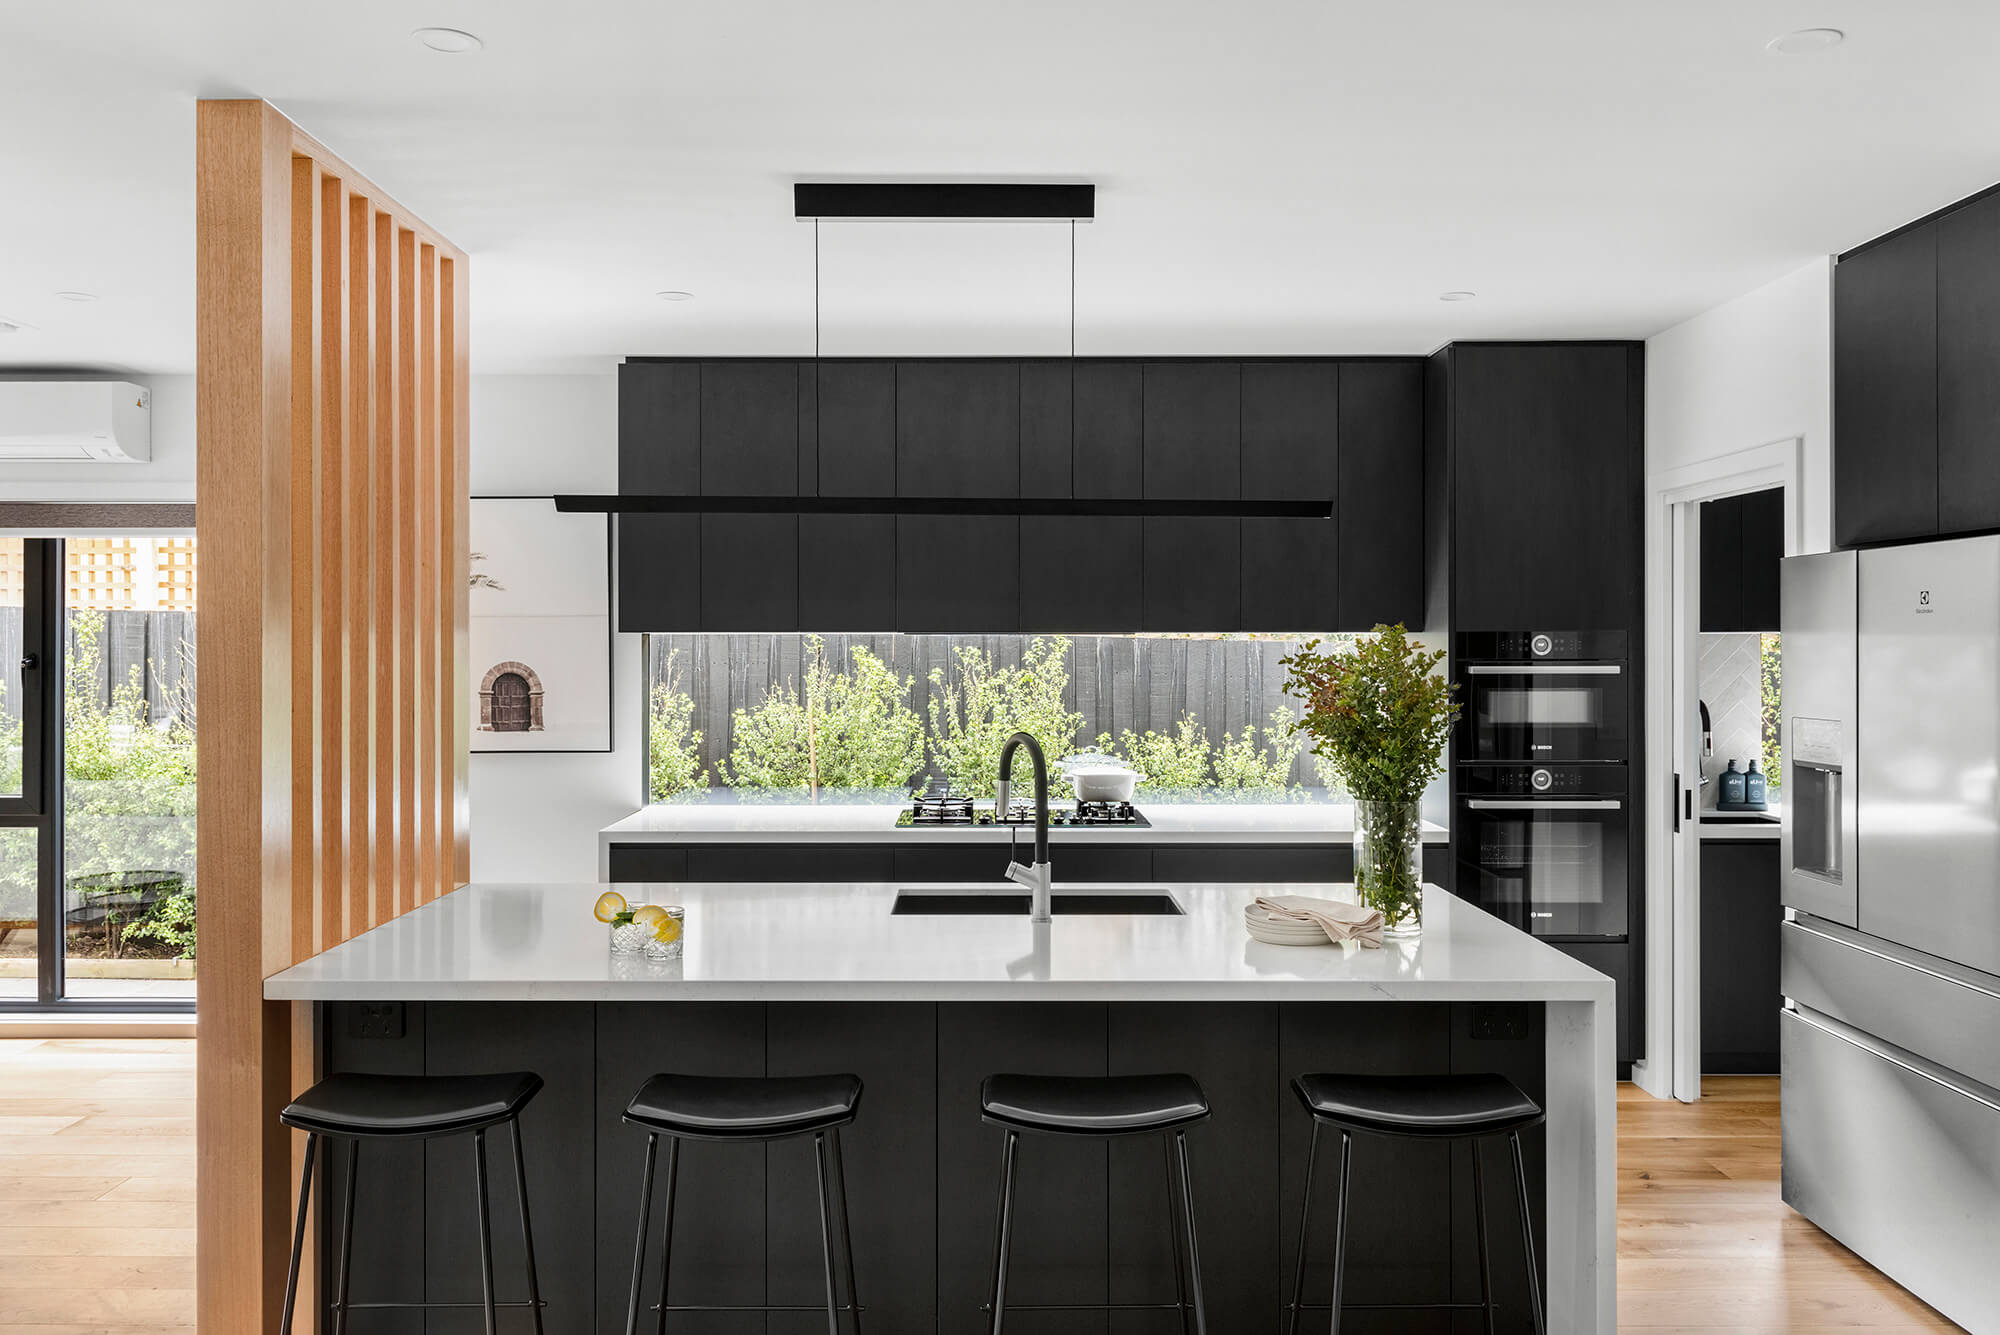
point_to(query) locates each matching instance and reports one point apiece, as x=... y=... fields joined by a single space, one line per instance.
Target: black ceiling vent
x=943 y=201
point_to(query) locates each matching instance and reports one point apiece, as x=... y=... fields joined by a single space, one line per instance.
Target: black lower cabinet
x=923 y=1169
x=1741 y=992
x=1617 y=960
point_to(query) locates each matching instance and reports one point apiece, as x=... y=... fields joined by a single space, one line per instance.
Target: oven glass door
x=1551 y=867
x=1546 y=712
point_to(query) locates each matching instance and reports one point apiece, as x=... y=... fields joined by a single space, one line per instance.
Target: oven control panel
x=1541 y=780
x=1530 y=646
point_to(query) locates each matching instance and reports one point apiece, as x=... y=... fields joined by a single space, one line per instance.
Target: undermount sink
x=1142 y=900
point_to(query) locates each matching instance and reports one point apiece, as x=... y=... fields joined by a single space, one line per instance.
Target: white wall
x=1746 y=373
x=1737 y=397
x=536 y=817
x=169 y=477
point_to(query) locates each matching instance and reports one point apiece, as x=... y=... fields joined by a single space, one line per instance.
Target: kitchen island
x=798 y=977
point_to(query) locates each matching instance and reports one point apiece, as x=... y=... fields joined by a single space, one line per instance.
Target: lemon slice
x=609 y=905
x=668 y=930
x=647 y=914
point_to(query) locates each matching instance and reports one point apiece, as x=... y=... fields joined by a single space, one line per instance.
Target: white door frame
x=1672 y=1065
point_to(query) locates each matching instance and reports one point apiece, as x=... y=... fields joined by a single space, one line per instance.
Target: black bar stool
x=1101 y=1107
x=746 y=1108
x=401 y=1107
x=1430 y=1107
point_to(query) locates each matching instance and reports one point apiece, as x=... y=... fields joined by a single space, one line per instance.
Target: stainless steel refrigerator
x=1891 y=856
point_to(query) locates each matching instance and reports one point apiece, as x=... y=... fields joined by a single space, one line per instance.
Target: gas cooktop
x=949 y=808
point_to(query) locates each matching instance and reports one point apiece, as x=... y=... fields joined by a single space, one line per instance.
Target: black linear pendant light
x=964 y=201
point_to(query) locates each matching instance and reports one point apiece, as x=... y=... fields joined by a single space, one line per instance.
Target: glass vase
x=1388 y=864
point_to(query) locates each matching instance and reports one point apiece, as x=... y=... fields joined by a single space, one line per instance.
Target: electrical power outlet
x=1500 y=1020
x=375 y=1019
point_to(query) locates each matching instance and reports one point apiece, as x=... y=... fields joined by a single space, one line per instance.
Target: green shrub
x=1247 y=764
x=972 y=718
x=847 y=730
x=1175 y=761
x=673 y=749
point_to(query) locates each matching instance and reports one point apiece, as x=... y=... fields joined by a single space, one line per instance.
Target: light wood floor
x=97 y=1213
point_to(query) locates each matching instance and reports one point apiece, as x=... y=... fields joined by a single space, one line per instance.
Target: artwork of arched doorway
x=510 y=699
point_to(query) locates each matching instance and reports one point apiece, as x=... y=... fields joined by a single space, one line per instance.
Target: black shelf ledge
x=1000 y=507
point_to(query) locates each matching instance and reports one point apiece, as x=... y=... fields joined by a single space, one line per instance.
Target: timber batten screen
x=331 y=474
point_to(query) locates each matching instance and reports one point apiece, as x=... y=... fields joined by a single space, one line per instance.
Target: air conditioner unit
x=75 y=421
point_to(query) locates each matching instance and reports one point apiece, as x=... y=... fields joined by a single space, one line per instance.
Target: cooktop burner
x=949 y=807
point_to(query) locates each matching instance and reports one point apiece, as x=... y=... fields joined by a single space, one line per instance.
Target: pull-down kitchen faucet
x=1035 y=877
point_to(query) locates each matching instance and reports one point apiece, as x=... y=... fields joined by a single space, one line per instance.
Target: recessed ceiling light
x=78 y=296
x=1456 y=296
x=1806 y=41
x=674 y=294
x=451 y=41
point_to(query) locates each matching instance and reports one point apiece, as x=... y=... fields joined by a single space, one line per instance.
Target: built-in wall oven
x=1541 y=782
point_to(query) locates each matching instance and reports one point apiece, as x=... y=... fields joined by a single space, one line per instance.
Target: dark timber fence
x=156 y=646
x=1117 y=682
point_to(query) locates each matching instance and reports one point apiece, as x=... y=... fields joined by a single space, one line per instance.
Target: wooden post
x=332 y=539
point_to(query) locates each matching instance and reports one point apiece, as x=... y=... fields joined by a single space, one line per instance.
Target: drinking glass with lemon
x=653 y=928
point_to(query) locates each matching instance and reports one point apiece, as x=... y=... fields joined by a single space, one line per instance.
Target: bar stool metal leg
x=826 y=1234
x=346 y=1270
x=846 y=1234
x=1187 y=1218
x=298 y=1239
x=639 y=1246
x=527 y=1233
x=485 y=1232
x=1340 y=1228
x=667 y=1228
x=1527 y=1233
x=1001 y=1234
x=1174 y=1233
x=1479 y=1219
x=1305 y=1216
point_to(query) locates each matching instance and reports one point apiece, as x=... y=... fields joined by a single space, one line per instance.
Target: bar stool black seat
x=1471 y=1107
x=1101 y=1107
x=355 y=1108
x=746 y=1108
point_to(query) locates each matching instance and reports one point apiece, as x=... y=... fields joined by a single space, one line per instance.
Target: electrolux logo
x=1923 y=608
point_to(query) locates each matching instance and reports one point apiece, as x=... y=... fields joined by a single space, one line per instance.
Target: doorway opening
x=97 y=771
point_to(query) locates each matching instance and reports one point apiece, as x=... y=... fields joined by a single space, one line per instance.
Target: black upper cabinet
x=659 y=572
x=847 y=572
x=659 y=428
x=1193 y=431
x=1291 y=430
x=1379 y=524
x=1108 y=458
x=1742 y=542
x=955 y=573
x=1546 y=507
x=750 y=572
x=1045 y=428
x=855 y=406
x=749 y=428
x=1885 y=390
x=1193 y=576
x=1080 y=575
x=958 y=428
x=1291 y=575
x=1722 y=564
x=1968 y=446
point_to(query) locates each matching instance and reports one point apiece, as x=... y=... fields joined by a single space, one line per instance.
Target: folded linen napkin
x=1340 y=921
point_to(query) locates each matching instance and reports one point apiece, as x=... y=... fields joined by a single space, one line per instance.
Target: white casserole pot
x=1098 y=778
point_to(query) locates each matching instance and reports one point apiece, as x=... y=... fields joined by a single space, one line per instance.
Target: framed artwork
x=539 y=638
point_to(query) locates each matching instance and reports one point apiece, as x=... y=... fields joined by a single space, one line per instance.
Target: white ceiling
x=1274 y=177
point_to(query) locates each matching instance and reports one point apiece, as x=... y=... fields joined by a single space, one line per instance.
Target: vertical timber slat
x=331 y=391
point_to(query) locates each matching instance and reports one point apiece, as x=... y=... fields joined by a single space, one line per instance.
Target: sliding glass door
x=97 y=771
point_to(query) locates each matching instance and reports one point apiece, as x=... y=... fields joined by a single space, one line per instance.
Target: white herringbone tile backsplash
x=1731 y=686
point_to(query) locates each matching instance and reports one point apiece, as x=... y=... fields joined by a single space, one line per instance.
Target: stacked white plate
x=1282 y=931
